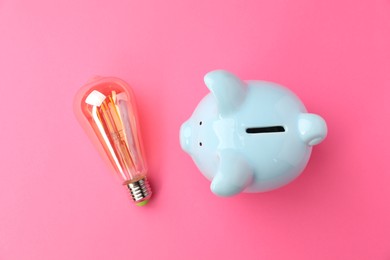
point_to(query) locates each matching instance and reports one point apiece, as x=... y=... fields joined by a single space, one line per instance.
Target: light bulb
x=105 y=107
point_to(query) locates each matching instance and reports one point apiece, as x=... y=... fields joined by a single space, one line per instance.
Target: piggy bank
x=249 y=136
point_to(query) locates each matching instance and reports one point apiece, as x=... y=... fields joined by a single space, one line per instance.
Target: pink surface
x=57 y=198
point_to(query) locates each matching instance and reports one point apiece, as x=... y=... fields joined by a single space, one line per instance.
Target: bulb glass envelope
x=105 y=107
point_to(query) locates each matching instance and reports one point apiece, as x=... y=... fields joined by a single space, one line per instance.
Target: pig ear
x=233 y=176
x=229 y=90
x=312 y=128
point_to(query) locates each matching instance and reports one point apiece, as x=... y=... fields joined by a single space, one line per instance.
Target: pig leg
x=233 y=176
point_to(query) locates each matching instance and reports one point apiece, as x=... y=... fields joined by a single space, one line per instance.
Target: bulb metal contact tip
x=140 y=191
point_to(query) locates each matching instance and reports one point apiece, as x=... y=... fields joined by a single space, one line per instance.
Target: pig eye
x=200 y=144
x=200 y=123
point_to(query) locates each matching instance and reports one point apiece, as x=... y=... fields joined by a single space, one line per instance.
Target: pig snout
x=185 y=136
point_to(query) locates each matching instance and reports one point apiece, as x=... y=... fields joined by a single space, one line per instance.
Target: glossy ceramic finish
x=251 y=136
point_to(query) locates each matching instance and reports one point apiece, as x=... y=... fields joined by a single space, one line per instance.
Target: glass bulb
x=105 y=107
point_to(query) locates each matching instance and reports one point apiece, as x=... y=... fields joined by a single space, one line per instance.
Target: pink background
x=57 y=198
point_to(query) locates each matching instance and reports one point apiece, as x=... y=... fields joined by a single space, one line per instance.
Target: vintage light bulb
x=105 y=107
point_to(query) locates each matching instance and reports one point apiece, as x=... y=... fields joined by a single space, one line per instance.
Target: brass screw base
x=140 y=190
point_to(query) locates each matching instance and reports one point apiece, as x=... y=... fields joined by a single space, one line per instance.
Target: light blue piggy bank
x=249 y=136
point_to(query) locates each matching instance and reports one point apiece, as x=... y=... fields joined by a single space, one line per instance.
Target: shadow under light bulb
x=105 y=107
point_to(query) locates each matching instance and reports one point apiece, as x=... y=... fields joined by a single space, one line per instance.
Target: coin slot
x=267 y=129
